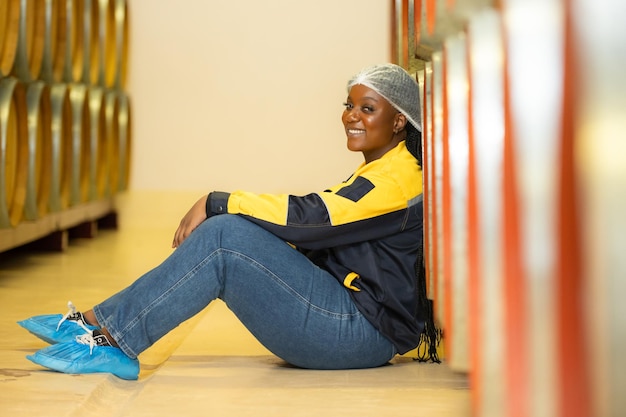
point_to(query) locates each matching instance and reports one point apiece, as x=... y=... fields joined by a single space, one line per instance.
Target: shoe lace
x=87 y=339
x=70 y=313
x=93 y=338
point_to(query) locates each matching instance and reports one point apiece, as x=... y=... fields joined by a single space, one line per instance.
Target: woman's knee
x=216 y=225
x=232 y=230
x=226 y=222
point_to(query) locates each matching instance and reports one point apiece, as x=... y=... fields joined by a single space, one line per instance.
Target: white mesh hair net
x=396 y=85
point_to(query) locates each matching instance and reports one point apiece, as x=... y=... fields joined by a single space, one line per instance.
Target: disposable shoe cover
x=45 y=328
x=76 y=358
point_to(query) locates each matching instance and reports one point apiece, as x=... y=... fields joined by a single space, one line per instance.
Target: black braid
x=431 y=335
x=414 y=142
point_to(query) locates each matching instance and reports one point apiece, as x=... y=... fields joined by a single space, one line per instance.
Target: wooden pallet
x=53 y=231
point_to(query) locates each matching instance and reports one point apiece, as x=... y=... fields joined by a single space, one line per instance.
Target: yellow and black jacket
x=366 y=232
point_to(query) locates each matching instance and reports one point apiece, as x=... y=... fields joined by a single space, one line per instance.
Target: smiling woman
x=381 y=97
x=338 y=275
x=373 y=125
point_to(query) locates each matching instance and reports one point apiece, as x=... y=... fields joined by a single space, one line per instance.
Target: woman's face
x=371 y=122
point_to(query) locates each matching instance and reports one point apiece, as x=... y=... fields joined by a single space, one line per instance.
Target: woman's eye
x=364 y=109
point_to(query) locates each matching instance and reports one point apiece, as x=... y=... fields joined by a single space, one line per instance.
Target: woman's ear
x=399 y=122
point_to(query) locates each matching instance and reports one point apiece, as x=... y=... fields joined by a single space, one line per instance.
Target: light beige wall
x=231 y=94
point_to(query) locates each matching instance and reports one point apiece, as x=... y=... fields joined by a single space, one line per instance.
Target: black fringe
x=431 y=335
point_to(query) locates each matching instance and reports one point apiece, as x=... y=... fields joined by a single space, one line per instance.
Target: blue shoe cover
x=56 y=328
x=45 y=328
x=79 y=358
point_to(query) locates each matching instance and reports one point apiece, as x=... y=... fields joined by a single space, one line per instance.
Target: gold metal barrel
x=39 y=153
x=122 y=42
x=55 y=40
x=125 y=140
x=98 y=152
x=65 y=120
x=58 y=98
x=13 y=151
x=9 y=28
x=31 y=36
x=91 y=38
x=108 y=47
x=81 y=146
x=73 y=49
x=112 y=141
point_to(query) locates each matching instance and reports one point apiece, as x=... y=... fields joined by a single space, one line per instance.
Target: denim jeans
x=297 y=310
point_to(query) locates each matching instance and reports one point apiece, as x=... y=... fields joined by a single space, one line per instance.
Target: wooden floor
x=209 y=366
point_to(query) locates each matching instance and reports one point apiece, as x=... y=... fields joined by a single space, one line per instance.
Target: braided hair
x=400 y=89
x=431 y=335
x=414 y=142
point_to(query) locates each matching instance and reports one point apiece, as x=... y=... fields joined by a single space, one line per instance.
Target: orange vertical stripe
x=514 y=289
x=431 y=15
x=417 y=21
x=405 y=34
x=394 y=33
x=473 y=254
x=447 y=221
x=434 y=191
x=426 y=167
x=573 y=385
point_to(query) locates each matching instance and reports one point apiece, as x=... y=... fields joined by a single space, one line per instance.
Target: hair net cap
x=396 y=85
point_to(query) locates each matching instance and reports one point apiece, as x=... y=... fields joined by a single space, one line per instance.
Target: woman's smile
x=352 y=131
x=373 y=126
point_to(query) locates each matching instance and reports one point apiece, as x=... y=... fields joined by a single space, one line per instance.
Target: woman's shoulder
x=397 y=169
x=398 y=162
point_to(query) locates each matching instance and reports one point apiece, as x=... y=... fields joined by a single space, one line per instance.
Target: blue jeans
x=297 y=310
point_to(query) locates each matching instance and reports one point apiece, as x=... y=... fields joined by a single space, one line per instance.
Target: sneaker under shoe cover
x=56 y=328
x=89 y=353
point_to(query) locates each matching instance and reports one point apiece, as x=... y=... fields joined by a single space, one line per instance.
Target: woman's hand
x=193 y=218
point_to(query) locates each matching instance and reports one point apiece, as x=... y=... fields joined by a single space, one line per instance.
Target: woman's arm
x=191 y=220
